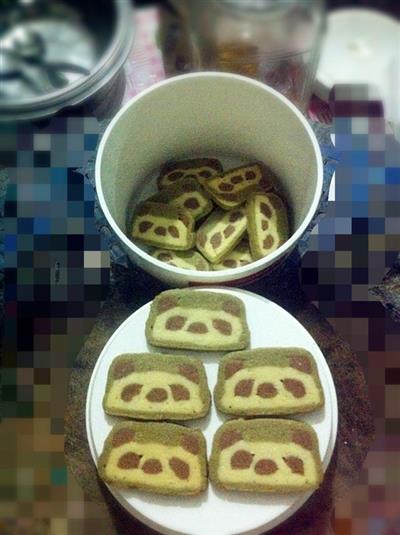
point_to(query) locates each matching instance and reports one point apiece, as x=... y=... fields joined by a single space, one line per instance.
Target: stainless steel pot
x=56 y=54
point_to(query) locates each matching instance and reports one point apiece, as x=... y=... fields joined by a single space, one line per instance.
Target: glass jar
x=275 y=41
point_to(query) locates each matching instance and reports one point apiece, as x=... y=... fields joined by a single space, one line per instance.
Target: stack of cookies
x=203 y=218
x=251 y=453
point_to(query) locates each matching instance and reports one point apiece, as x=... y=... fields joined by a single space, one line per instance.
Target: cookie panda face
x=162 y=225
x=220 y=233
x=266 y=456
x=197 y=320
x=268 y=223
x=268 y=381
x=157 y=457
x=156 y=387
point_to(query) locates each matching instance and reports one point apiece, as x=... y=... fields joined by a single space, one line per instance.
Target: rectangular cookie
x=182 y=259
x=151 y=386
x=163 y=226
x=235 y=185
x=268 y=223
x=206 y=321
x=162 y=458
x=240 y=256
x=266 y=455
x=220 y=233
x=201 y=169
x=187 y=194
x=273 y=381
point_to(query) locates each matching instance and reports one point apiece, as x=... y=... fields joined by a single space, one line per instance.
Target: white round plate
x=214 y=512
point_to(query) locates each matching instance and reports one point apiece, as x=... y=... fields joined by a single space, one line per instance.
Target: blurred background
x=391 y=6
x=54 y=55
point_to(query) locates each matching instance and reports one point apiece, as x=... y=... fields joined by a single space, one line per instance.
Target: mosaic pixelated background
x=56 y=275
x=353 y=247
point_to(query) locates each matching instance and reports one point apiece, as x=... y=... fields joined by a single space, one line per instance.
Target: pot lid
x=57 y=53
x=42 y=51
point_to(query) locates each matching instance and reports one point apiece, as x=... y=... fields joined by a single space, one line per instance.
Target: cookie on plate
x=268 y=381
x=151 y=386
x=162 y=225
x=201 y=169
x=220 y=233
x=266 y=455
x=207 y=321
x=182 y=259
x=157 y=457
x=268 y=223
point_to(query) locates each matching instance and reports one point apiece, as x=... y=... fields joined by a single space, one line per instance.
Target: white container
x=207 y=114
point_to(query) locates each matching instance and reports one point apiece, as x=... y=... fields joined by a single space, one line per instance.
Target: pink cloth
x=144 y=66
